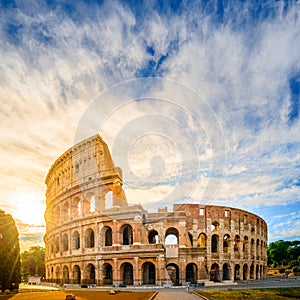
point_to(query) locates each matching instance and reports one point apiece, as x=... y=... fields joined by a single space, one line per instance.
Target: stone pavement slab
x=177 y=294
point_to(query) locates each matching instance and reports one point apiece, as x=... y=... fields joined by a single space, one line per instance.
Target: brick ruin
x=94 y=237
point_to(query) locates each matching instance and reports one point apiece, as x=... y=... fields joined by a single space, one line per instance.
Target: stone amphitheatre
x=94 y=237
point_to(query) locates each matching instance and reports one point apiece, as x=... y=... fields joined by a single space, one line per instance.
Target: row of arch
x=243 y=272
x=216 y=273
x=126 y=269
x=171 y=237
x=258 y=246
x=78 y=207
x=106 y=238
x=260 y=227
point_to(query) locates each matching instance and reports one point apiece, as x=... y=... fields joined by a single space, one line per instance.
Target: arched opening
x=56 y=243
x=153 y=237
x=108 y=200
x=66 y=210
x=127 y=271
x=148 y=273
x=66 y=274
x=226 y=272
x=127 y=233
x=226 y=243
x=171 y=236
x=257 y=272
x=107 y=236
x=76 y=274
x=214 y=273
x=245 y=245
x=245 y=272
x=257 y=249
x=92 y=203
x=65 y=242
x=237 y=272
x=215 y=226
x=76 y=207
x=75 y=240
x=252 y=271
x=91 y=274
x=202 y=240
x=107 y=274
x=57 y=274
x=214 y=243
x=237 y=244
x=57 y=214
x=89 y=238
x=261 y=271
x=191 y=272
x=191 y=239
x=173 y=272
x=252 y=248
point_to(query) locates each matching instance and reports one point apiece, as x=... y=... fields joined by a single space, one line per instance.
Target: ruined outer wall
x=90 y=239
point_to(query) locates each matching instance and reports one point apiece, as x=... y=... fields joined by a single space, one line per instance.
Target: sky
x=197 y=100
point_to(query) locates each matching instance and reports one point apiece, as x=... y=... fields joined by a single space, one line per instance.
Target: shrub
x=294 y=263
x=296 y=269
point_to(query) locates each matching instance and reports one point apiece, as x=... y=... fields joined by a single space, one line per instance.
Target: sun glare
x=30 y=209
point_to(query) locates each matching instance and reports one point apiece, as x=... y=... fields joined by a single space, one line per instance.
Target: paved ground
x=175 y=294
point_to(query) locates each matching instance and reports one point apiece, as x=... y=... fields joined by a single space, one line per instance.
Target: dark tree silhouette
x=9 y=253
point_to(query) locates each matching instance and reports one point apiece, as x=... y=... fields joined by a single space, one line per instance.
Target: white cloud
x=57 y=65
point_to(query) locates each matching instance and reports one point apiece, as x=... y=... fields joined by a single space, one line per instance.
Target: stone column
x=182 y=233
x=82 y=240
x=136 y=233
x=70 y=241
x=116 y=272
x=182 y=271
x=160 y=275
x=136 y=272
x=115 y=234
x=97 y=237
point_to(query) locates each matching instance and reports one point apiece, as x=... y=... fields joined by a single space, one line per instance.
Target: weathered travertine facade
x=94 y=236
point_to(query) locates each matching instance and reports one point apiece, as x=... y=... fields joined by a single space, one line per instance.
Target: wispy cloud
x=241 y=57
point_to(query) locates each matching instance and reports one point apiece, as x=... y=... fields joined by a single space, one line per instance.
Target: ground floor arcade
x=151 y=272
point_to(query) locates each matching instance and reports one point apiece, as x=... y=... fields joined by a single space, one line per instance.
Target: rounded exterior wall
x=94 y=237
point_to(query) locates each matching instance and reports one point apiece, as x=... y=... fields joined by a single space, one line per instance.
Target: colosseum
x=93 y=236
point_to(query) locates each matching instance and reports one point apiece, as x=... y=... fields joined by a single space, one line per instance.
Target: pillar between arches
x=116 y=272
x=137 y=279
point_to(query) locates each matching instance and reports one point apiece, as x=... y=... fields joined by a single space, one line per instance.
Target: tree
x=294 y=252
x=9 y=253
x=278 y=252
x=33 y=262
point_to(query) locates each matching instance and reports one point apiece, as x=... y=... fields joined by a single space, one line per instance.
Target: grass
x=80 y=295
x=264 y=294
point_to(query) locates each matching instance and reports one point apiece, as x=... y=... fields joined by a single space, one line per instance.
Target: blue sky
x=230 y=122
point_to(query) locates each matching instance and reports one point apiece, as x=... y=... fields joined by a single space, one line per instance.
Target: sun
x=30 y=209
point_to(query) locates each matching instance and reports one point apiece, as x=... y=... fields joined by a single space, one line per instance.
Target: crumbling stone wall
x=93 y=239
